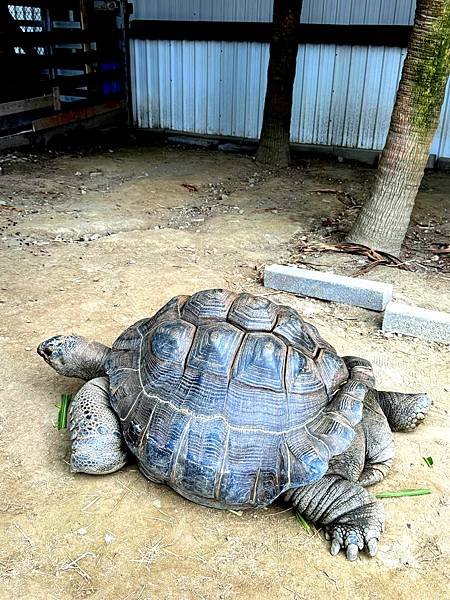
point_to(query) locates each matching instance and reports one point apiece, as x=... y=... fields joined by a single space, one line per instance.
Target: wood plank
x=364 y=35
x=62 y=60
x=74 y=116
x=20 y=106
x=61 y=36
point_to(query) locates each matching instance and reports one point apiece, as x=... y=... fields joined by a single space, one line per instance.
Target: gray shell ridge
x=230 y=398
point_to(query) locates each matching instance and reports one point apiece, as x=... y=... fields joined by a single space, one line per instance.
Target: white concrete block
x=328 y=286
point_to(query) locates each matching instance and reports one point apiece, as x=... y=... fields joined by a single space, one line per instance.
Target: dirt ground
x=91 y=243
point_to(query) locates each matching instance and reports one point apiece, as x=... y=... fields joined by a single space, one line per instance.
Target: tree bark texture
x=384 y=218
x=275 y=133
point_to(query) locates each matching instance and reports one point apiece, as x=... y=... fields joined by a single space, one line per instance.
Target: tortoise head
x=65 y=353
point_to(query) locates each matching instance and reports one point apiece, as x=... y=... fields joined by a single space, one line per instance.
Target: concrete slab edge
x=329 y=286
x=430 y=325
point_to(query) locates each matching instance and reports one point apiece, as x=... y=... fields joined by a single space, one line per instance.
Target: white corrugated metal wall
x=343 y=95
x=386 y=12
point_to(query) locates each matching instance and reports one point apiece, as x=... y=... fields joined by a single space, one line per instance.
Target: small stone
x=82 y=531
x=109 y=537
x=77 y=173
x=28 y=348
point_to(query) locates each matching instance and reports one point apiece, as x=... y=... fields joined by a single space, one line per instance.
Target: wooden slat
x=364 y=35
x=61 y=60
x=74 y=116
x=89 y=79
x=20 y=106
x=60 y=36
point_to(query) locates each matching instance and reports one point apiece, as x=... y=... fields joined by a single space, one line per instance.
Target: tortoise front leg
x=98 y=446
x=352 y=517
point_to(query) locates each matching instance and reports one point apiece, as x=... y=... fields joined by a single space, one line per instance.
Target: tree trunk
x=384 y=218
x=275 y=133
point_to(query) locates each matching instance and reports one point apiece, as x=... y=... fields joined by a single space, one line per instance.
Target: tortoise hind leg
x=97 y=443
x=404 y=411
x=352 y=517
x=379 y=448
x=360 y=369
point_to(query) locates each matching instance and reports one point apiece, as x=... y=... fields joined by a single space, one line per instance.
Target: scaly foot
x=359 y=528
x=404 y=412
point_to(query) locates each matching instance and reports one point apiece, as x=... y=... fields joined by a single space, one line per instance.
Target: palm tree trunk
x=275 y=133
x=384 y=218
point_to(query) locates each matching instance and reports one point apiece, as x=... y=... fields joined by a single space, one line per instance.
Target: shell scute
x=171 y=340
x=208 y=305
x=172 y=310
x=164 y=352
x=250 y=473
x=318 y=339
x=332 y=369
x=200 y=393
x=253 y=313
x=291 y=327
x=260 y=362
x=161 y=440
x=214 y=348
x=196 y=468
x=263 y=409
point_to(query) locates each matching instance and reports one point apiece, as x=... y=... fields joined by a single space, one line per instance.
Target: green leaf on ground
x=63 y=409
x=303 y=522
x=400 y=493
x=428 y=460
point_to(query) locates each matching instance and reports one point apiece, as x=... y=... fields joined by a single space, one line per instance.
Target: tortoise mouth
x=44 y=350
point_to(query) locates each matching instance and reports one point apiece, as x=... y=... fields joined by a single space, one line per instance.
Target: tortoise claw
x=352 y=552
x=353 y=535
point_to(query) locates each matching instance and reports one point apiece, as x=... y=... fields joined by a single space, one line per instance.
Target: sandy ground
x=91 y=243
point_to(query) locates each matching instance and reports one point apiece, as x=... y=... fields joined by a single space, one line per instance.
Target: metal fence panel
x=384 y=12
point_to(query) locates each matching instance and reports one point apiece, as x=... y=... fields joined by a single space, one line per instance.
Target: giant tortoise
x=234 y=401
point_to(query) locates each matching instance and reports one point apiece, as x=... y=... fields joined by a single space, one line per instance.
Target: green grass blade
x=303 y=522
x=428 y=460
x=400 y=493
x=63 y=409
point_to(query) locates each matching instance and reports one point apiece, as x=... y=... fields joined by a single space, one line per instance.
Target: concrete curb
x=431 y=325
x=328 y=286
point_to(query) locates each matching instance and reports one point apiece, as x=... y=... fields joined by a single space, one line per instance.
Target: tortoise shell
x=228 y=398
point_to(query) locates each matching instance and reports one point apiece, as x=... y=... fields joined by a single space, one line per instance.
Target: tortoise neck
x=92 y=361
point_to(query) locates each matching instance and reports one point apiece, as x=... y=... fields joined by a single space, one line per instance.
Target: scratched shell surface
x=230 y=398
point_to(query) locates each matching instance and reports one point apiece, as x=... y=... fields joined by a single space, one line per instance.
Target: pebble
x=28 y=348
x=109 y=537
